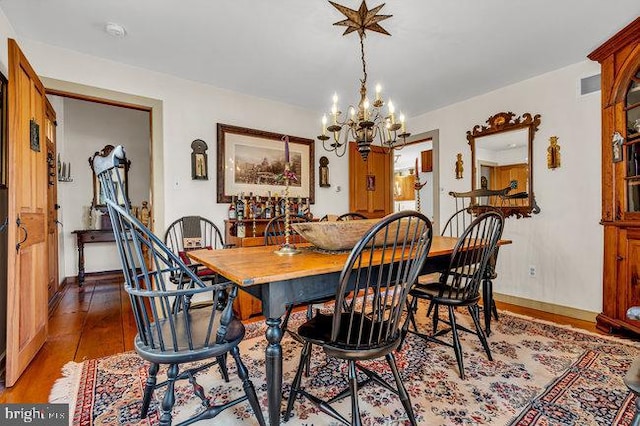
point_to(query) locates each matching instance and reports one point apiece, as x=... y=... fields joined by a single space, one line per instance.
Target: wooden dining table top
x=247 y=266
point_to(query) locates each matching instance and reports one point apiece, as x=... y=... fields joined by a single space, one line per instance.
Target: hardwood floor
x=96 y=321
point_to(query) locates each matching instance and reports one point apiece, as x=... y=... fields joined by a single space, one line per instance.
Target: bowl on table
x=334 y=236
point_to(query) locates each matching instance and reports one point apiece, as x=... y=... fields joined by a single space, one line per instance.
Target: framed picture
x=250 y=161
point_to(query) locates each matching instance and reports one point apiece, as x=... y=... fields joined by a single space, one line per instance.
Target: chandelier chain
x=364 y=62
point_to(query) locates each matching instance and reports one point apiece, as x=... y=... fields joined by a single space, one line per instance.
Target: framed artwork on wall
x=251 y=161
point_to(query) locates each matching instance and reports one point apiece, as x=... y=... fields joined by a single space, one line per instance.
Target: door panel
x=52 y=200
x=370 y=182
x=27 y=181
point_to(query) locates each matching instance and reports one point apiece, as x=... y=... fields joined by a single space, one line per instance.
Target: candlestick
x=287 y=248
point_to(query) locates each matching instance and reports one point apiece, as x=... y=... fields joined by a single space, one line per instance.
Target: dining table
x=279 y=281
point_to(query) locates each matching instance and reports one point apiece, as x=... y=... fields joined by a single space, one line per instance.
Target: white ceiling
x=440 y=51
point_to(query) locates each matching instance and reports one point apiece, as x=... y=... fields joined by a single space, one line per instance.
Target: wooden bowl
x=333 y=236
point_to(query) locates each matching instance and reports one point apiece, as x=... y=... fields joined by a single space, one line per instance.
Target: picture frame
x=250 y=161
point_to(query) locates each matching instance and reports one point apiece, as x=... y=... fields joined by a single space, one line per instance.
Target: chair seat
x=205 y=273
x=198 y=329
x=438 y=292
x=318 y=331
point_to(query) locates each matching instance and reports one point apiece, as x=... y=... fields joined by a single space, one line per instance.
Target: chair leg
x=295 y=386
x=222 y=364
x=285 y=320
x=247 y=385
x=475 y=314
x=409 y=319
x=494 y=309
x=487 y=301
x=307 y=365
x=402 y=392
x=169 y=396
x=431 y=305
x=353 y=386
x=148 y=390
x=457 y=347
x=436 y=318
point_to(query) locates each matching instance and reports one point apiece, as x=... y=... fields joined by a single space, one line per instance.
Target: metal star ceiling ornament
x=362 y=19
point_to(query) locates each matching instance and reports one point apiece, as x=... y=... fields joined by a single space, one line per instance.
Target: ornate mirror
x=98 y=194
x=502 y=159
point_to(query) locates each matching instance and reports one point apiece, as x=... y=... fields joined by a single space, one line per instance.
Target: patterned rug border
x=626 y=341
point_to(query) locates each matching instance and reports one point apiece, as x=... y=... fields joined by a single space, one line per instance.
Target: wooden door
x=52 y=201
x=512 y=172
x=27 y=182
x=370 y=182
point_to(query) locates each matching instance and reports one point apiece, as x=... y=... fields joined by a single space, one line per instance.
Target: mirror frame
x=125 y=165
x=504 y=122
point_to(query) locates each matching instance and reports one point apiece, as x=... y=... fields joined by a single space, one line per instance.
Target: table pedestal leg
x=273 y=358
x=80 y=264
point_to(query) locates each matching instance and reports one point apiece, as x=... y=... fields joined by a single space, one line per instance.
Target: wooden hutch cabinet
x=620 y=61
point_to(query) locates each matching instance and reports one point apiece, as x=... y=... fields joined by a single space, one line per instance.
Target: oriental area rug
x=541 y=374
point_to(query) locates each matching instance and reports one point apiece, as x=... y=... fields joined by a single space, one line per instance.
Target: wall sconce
x=459 y=168
x=64 y=171
x=324 y=172
x=553 y=153
x=199 y=160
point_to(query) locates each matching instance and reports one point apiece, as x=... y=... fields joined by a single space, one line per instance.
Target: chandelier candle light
x=287 y=248
x=366 y=122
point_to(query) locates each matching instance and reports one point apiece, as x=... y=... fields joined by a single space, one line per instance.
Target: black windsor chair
x=468 y=206
x=169 y=331
x=193 y=233
x=460 y=284
x=367 y=318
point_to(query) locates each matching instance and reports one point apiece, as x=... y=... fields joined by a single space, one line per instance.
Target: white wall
x=191 y=111
x=84 y=128
x=565 y=240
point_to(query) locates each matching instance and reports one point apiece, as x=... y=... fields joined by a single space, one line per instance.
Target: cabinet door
x=631 y=273
x=370 y=182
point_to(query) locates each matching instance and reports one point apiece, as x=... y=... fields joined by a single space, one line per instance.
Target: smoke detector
x=115 y=30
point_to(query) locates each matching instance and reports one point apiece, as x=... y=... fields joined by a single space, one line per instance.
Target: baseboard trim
x=552 y=308
x=102 y=275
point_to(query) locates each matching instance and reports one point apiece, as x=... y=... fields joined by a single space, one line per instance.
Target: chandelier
x=368 y=121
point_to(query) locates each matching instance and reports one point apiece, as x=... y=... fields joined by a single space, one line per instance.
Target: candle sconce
x=64 y=171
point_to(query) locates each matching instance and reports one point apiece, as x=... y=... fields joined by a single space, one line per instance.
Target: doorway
x=84 y=127
x=421 y=150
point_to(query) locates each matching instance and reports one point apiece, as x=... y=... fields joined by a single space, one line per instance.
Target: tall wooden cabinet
x=370 y=182
x=620 y=61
